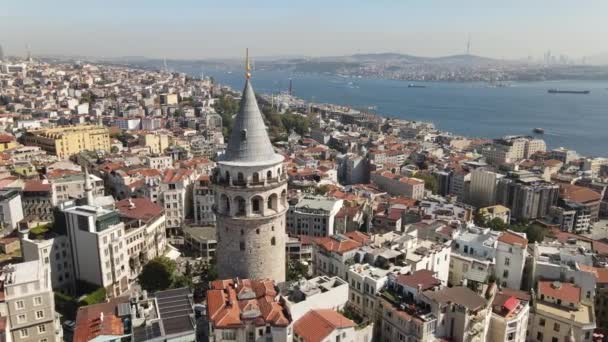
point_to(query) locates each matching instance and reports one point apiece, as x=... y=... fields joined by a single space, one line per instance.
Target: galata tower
x=251 y=198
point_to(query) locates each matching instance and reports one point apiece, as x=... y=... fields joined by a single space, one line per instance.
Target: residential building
x=144 y=228
x=11 y=210
x=510 y=313
x=321 y=292
x=328 y=325
x=64 y=142
x=482 y=190
x=204 y=200
x=398 y=185
x=99 y=250
x=496 y=212
x=332 y=254
x=559 y=313
x=157 y=142
x=202 y=241
x=159 y=162
x=527 y=195
x=584 y=202
x=246 y=310
x=175 y=193
x=28 y=303
x=313 y=216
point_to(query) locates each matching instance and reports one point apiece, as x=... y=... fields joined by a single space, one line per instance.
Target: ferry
x=538 y=130
x=557 y=91
x=412 y=85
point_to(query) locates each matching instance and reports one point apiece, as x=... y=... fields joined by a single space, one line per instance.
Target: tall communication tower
x=468 y=51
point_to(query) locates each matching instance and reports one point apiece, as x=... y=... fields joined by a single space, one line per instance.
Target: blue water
x=579 y=122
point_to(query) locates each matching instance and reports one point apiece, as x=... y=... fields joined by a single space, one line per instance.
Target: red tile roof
x=227 y=302
x=36 y=186
x=6 y=138
x=176 y=175
x=138 y=208
x=90 y=325
x=567 y=292
x=579 y=194
x=316 y=325
x=361 y=238
x=511 y=238
x=336 y=244
x=424 y=278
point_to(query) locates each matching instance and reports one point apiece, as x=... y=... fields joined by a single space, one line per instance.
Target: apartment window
x=554 y=339
x=507 y=261
x=41 y=328
x=541 y=322
x=21 y=318
x=556 y=327
x=39 y=314
x=539 y=336
x=19 y=304
x=44 y=340
x=505 y=274
x=37 y=301
x=24 y=333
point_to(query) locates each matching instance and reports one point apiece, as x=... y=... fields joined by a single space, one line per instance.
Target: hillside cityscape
x=140 y=203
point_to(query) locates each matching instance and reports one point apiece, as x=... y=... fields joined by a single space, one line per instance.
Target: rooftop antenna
x=290 y=86
x=165 y=67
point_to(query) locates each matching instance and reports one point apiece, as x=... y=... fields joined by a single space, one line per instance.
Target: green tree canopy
x=430 y=182
x=157 y=274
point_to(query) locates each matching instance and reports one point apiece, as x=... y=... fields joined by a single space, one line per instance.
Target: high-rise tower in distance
x=250 y=186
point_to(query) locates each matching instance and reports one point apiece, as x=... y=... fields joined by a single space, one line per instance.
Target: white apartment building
x=477 y=254
x=28 y=303
x=98 y=247
x=11 y=209
x=397 y=185
x=175 y=194
x=331 y=254
x=159 y=162
x=510 y=313
x=313 y=216
x=127 y=123
x=55 y=254
x=204 y=199
x=365 y=282
x=145 y=234
x=321 y=292
x=71 y=186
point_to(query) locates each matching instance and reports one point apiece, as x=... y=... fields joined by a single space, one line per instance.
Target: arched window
x=242 y=232
x=256 y=205
x=273 y=241
x=257 y=231
x=227 y=176
x=242 y=245
x=284 y=197
x=269 y=174
x=240 y=205
x=256 y=177
x=272 y=202
x=225 y=204
x=240 y=178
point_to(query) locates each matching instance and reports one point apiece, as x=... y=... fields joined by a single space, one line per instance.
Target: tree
x=114 y=149
x=430 y=182
x=296 y=270
x=497 y=224
x=157 y=274
x=479 y=219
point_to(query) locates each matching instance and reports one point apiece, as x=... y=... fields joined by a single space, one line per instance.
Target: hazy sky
x=223 y=28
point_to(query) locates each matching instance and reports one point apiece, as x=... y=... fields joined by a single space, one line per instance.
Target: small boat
x=412 y=85
x=538 y=130
x=557 y=91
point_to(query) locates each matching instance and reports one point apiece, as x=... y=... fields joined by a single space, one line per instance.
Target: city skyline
x=200 y=30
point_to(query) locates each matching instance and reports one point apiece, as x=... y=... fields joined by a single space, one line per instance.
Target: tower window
x=243 y=135
x=273 y=241
x=242 y=245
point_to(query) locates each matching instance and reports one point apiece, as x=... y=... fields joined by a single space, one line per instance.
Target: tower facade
x=250 y=186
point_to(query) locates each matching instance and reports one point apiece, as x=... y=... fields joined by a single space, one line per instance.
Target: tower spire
x=247 y=65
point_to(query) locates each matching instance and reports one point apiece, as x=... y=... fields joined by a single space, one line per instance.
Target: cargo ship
x=412 y=85
x=557 y=91
x=538 y=130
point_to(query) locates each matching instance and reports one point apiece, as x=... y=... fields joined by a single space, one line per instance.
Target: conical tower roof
x=249 y=142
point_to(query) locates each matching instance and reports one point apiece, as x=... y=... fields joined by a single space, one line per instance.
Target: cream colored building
x=69 y=140
x=155 y=141
x=559 y=314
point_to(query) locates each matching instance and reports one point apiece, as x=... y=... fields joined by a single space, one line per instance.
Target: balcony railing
x=249 y=183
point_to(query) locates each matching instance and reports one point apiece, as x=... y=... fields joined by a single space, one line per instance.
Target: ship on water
x=558 y=91
x=538 y=130
x=412 y=85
